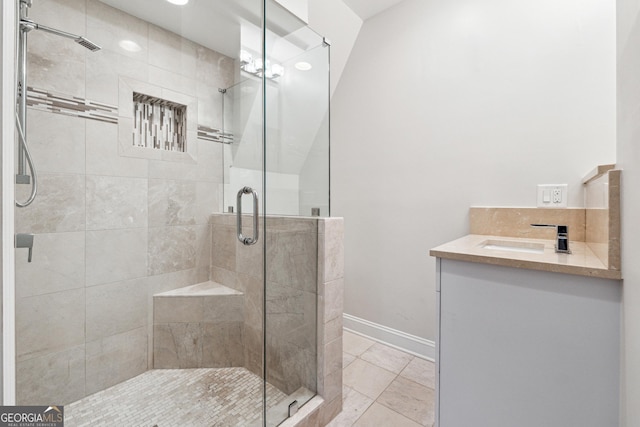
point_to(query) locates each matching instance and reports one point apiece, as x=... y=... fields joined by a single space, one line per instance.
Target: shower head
x=88 y=44
x=27 y=25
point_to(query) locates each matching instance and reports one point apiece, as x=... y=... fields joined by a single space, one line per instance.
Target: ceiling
x=365 y=9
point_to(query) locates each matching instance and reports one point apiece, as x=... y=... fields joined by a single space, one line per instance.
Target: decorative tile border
x=214 y=134
x=68 y=105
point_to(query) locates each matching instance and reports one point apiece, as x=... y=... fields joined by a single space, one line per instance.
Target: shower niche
x=142 y=294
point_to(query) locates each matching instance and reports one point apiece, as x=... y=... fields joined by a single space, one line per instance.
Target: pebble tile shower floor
x=176 y=397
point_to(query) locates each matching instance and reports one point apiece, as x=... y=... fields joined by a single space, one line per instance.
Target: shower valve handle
x=25 y=240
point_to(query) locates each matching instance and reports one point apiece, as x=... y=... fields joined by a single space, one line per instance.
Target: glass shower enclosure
x=181 y=151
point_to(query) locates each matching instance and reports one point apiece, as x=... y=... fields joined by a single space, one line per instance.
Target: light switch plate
x=552 y=195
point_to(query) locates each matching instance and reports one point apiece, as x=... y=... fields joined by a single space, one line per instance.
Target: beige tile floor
x=383 y=386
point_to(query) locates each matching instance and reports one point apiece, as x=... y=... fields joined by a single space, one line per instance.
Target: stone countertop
x=582 y=261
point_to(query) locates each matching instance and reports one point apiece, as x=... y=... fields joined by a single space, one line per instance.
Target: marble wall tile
x=209 y=102
x=49 y=323
x=58 y=207
x=115 y=308
x=249 y=259
x=56 y=142
x=57 y=265
x=218 y=309
x=290 y=367
x=331 y=252
x=330 y=410
x=171 y=249
x=291 y=316
x=55 y=378
x=116 y=255
x=172 y=81
x=104 y=70
x=330 y=386
x=253 y=300
x=56 y=65
x=53 y=63
x=116 y=202
x=333 y=329
x=332 y=357
x=223 y=247
x=102 y=153
x=222 y=344
x=210 y=161
x=333 y=300
x=292 y=259
x=171 y=52
x=172 y=202
x=207 y=201
x=177 y=345
x=107 y=26
x=225 y=277
x=116 y=358
x=178 y=309
x=159 y=169
x=203 y=249
x=214 y=69
x=253 y=340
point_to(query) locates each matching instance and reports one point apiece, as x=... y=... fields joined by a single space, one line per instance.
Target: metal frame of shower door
x=9 y=31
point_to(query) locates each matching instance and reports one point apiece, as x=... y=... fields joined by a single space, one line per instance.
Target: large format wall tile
x=207 y=201
x=177 y=345
x=214 y=69
x=49 y=323
x=115 y=255
x=222 y=344
x=59 y=205
x=57 y=378
x=56 y=142
x=223 y=248
x=115 y=359
x=171 y=52
x=115 y=202
x=292 y=259
x=57 y=264
x=116 y=308
x=107 y=26
x=104 y=71
x=102 y=153
x=172 y=202
x=171 y=249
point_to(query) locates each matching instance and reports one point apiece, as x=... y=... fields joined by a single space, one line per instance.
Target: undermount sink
x=513 y=246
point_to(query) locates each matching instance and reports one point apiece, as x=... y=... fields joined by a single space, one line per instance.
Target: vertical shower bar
x=21 y=176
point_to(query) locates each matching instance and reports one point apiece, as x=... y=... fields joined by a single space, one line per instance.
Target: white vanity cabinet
x=526 y=348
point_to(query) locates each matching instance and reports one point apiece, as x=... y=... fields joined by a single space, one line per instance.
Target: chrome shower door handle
x=247 y=240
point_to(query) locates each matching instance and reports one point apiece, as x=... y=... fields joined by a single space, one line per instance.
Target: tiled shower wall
x=111 y=230
x=292 y=273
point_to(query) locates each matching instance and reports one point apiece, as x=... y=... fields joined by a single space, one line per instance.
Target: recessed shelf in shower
x=159 y=124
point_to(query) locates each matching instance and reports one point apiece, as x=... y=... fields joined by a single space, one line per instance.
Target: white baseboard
x=412 y=344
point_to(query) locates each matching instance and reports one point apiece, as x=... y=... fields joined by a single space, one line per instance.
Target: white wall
x=448 y=104
x=629 y=161
x=340 y=25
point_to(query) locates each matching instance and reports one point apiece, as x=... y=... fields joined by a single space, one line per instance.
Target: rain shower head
x=28 y=25
x=88 y=44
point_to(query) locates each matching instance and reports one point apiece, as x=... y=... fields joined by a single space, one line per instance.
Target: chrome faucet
x=562 y=237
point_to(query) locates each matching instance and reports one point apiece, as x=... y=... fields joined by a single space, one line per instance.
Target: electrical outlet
x=552 y=195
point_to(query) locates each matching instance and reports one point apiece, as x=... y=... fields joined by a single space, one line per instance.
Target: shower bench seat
x=198 y=326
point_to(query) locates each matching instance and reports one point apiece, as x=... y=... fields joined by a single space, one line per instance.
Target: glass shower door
x=296 y=164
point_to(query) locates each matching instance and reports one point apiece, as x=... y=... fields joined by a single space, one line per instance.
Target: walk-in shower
x=145 y=302
x=24 y=156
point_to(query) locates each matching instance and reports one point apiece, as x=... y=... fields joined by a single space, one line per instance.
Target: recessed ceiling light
x=303 y=66
x=179 y=2
x=129 y=45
